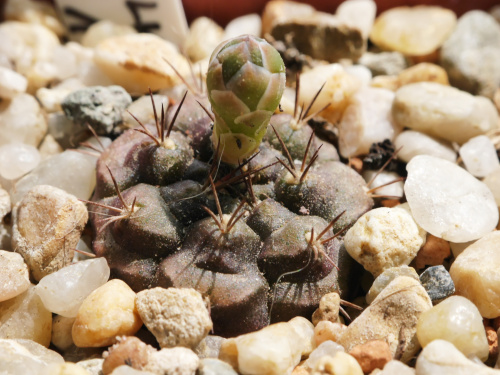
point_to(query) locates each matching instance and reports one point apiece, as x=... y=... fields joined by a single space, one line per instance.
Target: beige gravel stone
x=61 y=332
x=328 y=309
x=14 y=277
x=130 y=351
x=47 y=226
x=102 y=30
x=108 y=312
x=204 y=36
x=340 y=364
x=175 y=316
x=423 y=72
x=326 y=330
x=173 y=361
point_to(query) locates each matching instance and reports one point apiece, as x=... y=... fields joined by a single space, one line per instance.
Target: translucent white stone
x=479 y=156
x=361 y=72
x=11 y=83
x=492 y=180
x=326 y=348
x=66 y=62
x=394 y=189
x=447 y=201
x=247 y=24
x=101 y=30
x=458 y=321
x=413 y=143
x=366 y=120
x=358 y=14
x=63 y=292
x=14 y=278
x=70 y=171
x=17 y=159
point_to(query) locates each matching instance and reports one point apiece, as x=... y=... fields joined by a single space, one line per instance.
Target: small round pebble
x=371 y=355
x=339 y=364
x=325 y=349
x=177 y=317
x=433 y=253
x=326 y=330
x=108 y=312
x=492 y=180
x=447 y=201
x=178 y=361
x=328 y=308
x=385 y=279
x=61 y=332
x=212 y=366
x=458 y=321
x=479 y=156
x=130 y=351
x=14 y=278
x=437 y=282
x=423 y=72
x=413 y=143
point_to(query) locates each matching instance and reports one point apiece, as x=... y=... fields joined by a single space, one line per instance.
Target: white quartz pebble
x=492 y=180
x=447 y=201
x=247 y=24
x=413 y=143
x=458 y=321
x=326 y=348
x=479 y=156
x=394 y=189
x=366 y=120
x=63 y=291
x=14 y=278
x=441 y=357
x=17 y=159
x=11 y=83
x=358 y=14
x=70 y=171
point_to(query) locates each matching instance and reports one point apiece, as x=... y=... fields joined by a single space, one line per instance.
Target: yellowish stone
x=108 y=312
x=66 y=368
x=340 y=364
x=413 y=31
x=423 y=72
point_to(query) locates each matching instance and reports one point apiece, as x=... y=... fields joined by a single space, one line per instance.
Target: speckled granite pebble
x=437 y=282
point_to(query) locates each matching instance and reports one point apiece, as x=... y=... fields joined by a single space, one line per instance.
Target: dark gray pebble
x=437 y=282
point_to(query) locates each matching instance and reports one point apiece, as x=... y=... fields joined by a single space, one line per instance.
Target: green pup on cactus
x=245 y=81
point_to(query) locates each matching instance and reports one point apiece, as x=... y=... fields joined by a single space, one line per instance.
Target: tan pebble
x=137 y=62
x=108 y=312
x=340 y=364
x=433 y=253
x=66 y=368
x=300 y=370
x=492 y=336
x=371 y=355
x=204 y=36
x=102 y=30
x=128 y=351
x=328 y=309
x=175 y=361
x=413 y=31
x=47 y=225
x=25 y=317
x=279 y=11
x=326 y=330
x=49 y=147
x=35 y=12
x=386 y=82
x=14 y=277
x=61 y=332
x=423 y=72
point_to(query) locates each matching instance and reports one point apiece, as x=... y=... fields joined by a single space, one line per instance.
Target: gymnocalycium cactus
x=245 y=81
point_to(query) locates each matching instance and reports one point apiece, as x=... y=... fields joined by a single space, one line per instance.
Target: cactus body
x=245 y=81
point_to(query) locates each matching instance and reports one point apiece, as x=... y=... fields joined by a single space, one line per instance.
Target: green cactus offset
x=245 y=81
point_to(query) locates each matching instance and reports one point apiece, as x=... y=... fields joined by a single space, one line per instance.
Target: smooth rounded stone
x=383 y=238
x=437 y=282
x=476 y=277
x=143 y=110
x=66 y=368
x=458 y=321
x=61 y=332
x=443 y=358
x=371 y=355
x=17 y=159
x=338 y=89
x=433 y=253
x=447 y=201
x=108 y=312
x=25 y=317
x=11 y=83
x=273 y=350
x=137 y=62
x=51 y=98
x=69 y=171
x=379 y=178
x=175 y=316
x=386 y=82
x=93 y=365
x=204 y=35
x=326 y=330
x=385 y=279
x=100 y=107
x=479 y=156
x=340 y=364
x=212 y=366
x=209 y=347
x=21 y=120
x=25 y=357
x=359 y=14
x=443 y=111
x=423 y=72
x=101 y=30
x=361 y=72
x=34 y=12
x=393 y=315
x=178 y=361
x=326 y=348
x=366 y=120
x=49 y=147
x=63 y=291
x=248 y=24
x=395 y=367
x=48 y=223
x=471 y=54
x=129 y=350
x=413 y=143
x=384 y=63
x=492 y=180
x=413 y=31
x=328 y=308
x=14 y=278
